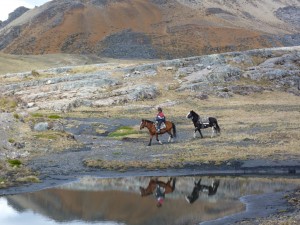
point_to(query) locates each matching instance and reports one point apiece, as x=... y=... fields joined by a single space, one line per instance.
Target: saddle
x=162 y=125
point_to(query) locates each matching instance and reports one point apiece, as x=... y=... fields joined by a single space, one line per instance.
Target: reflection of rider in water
x=160 y=195
x=160 y=117
x=159 y=189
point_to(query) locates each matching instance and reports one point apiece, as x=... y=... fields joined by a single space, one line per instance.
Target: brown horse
x=152 y=130
x=149 y=190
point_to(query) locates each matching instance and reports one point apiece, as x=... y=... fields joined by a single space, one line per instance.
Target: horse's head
x=190 y=115
x=143 y=124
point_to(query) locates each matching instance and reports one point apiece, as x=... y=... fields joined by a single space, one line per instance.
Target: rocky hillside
x=152 y=28
x=222 y=75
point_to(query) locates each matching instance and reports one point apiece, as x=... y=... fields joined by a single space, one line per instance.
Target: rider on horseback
x=160 y=117
x=160 y=195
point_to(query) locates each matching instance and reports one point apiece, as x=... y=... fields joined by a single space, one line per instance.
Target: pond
x=187 y=200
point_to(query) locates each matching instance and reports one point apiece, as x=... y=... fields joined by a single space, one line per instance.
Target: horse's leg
x=170 y=137
x=200 y=132
x=173 y=184
x=195 y=132
x=212 y=131
x=151 y=136
x=158 y=140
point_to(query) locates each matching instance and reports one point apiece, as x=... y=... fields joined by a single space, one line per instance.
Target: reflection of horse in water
x=153 y=183
x=211 y=190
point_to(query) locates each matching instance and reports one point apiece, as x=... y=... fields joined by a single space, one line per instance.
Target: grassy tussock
x=28 y=179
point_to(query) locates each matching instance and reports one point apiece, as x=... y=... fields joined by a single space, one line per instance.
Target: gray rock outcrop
x=223 y=75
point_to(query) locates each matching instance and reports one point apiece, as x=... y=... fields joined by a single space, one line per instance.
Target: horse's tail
x=217 y=127
x=174 y=130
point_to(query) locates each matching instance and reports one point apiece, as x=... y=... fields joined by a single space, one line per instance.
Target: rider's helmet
x=159 y=109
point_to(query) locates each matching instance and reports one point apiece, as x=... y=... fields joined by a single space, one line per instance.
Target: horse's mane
x=148 y=121
x=195 y=114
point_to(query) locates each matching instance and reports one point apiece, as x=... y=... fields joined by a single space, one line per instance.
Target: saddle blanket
x=204 y=120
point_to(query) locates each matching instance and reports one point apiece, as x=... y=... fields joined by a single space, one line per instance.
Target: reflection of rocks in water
x=68 y=205
x=95 y=199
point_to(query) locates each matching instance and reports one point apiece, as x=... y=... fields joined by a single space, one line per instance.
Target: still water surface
x=115 y=201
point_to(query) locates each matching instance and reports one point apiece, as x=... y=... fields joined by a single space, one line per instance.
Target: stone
x=43 y=126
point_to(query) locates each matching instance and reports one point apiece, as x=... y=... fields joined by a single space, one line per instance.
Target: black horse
x=211 y=190
x=202 y=124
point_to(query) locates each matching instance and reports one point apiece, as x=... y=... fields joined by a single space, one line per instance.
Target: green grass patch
x=116 y=153
x=54 y=117
x=11 y=140
x=14 y=162
x=37 y=115
x=122 y=132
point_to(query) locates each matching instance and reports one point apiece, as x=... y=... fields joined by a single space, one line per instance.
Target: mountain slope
x=152 y=28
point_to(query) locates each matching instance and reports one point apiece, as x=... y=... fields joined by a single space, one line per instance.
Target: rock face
x=222 y=75
x=289 y=14
x=14 y=15
x=151 y=28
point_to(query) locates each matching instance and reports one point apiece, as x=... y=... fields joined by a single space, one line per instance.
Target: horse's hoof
x=160 y=142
